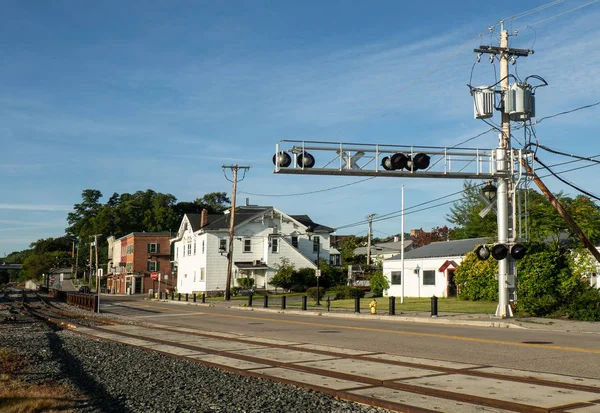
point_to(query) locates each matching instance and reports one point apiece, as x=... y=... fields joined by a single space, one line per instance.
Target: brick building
x=134 y=257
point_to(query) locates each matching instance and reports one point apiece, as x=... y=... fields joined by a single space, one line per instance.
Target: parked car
x=85 y=289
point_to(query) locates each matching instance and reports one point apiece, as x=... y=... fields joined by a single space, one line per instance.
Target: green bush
x=346 y=292
x=297 y=288
x=312 y=292
x=245 y=282
x=476 y=280
x=586 y=305
x=378 y=284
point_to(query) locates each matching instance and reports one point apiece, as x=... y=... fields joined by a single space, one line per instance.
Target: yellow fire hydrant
x=373 y=307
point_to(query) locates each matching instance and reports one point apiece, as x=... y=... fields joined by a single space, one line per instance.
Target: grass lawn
x=450 y=305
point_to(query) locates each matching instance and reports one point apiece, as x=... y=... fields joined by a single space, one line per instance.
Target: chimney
x=204 y=218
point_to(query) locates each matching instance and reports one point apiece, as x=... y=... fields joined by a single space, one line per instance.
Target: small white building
x=428 y=270
x=262 y=236
x=32 y=285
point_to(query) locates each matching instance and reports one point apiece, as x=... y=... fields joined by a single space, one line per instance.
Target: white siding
x=413 y=283
x=259 y=231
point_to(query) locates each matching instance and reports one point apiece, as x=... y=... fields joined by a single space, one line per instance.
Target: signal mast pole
x=503 y=205
x=504 y=181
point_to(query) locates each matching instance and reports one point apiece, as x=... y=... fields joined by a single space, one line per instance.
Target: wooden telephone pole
x=234 y=180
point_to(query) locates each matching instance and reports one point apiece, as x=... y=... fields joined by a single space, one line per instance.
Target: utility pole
x=504 y=182
x=369 y=240
x=77 y=258
x=234 y=180
x=91 y=263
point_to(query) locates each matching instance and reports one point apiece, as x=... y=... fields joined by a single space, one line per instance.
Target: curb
x=431 y=320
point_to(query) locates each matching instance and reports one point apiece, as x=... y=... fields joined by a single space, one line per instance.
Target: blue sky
x=125 y=96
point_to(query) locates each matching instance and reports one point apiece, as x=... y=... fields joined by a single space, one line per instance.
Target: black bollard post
x=172 y=295
x=304 y=299
x=160 y=295
x=249 y=300
x=186 y=296
x=203 y=298
x=434 y=312
x=357 y=305
x=283 y=302
x=266 y=303
x=328 y=303
x=392 y=305
x=178 y=296
x=194 y=297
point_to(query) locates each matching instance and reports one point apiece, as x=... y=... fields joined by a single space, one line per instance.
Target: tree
x=81 y=220
x=423 y=238
x=464 y=214
x=214 y=202
x=283 y=277
x=348 y=245
x=37 y=264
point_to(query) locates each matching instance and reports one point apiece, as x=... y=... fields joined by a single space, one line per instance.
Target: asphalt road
x=559 y=352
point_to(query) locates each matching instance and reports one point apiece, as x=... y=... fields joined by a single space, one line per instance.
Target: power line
x=567 y=182
x=564 y=12
x=534 y=10
x=311 y=192
x=568 y=111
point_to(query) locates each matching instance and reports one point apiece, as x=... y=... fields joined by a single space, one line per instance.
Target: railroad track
x=389 y=381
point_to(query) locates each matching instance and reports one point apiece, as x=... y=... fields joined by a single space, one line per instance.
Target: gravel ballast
x=115 y=377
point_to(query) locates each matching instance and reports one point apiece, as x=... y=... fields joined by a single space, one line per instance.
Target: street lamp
x=489 y=191
x=310 y=232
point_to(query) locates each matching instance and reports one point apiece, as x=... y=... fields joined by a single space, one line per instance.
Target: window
x=316 y=244
x=396 y=277
x=222 y=245
x=165 y=277
x=183 y=251
x=152 y=266
x=295 y=241
x=194 y=247
x=129 y=249
x=189 y=248
x=129 y=267
x=275 y=245
x=153 y=248
x=429 y=277
x=202 y=247
x=247 y=245
x=201 y=274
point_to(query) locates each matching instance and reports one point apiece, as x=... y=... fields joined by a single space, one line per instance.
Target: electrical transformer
x=483 y=101
x=519 y=102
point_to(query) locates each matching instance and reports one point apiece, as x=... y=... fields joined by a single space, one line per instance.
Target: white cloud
x=36 y=207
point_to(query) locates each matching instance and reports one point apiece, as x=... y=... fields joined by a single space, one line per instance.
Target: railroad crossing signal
x=500 y=251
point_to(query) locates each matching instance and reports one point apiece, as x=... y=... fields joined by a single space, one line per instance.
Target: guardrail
x=82 y=300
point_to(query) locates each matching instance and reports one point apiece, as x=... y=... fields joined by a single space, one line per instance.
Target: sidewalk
x=467 y=319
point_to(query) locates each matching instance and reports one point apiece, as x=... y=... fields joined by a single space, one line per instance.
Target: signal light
x=499 y=251
x=419 y=161
x=283 y=160
x=387 y=164
x=306 y=160
x=396 y=161
x=518 y=251
x=482 y=252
